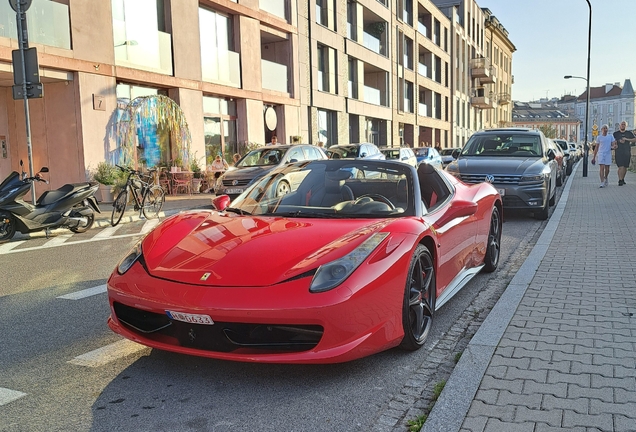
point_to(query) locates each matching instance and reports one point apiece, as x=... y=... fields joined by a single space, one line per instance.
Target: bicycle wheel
x=153 y=202
x=119 y=207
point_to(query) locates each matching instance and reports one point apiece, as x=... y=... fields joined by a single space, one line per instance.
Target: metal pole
x=22 y=42
x=587 y=102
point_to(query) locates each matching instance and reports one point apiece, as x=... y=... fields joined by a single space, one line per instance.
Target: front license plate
x=502 y=192
x=233 y=191
x=190 y=318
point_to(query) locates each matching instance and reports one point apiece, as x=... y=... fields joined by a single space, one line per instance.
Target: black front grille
x=498 y=178
x=221 y=336
x=240 y=182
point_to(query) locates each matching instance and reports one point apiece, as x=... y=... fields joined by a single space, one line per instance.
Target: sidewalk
x=172 y=205
x=558 y=350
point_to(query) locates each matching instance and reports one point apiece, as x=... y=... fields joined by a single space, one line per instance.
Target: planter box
x=106 y=193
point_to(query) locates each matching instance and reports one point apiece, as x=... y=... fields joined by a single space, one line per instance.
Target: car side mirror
x=551 y=155
x=457 y=209
x=221 y=202
x=455 y=154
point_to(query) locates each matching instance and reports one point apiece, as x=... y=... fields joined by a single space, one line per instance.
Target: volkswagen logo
x=490 y=178
x=234 y=182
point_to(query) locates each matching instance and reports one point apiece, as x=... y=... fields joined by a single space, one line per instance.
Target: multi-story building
x=609 y=104
x=553 y=120
x=392 y=72
x=499 y=50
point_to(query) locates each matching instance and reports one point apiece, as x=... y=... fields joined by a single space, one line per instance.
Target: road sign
x=24 y=5
x=30 y=64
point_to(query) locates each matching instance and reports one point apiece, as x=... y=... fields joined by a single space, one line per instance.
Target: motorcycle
x=72 y=206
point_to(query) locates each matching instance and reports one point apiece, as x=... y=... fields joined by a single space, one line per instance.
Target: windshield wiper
x=237 y=211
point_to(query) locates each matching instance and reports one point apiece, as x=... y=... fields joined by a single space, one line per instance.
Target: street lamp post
x=587 y=102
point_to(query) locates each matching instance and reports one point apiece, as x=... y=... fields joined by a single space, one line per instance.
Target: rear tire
x=419 y=300
x=119 y=207
x=90 y=220
x=153 y=202
x=7 y=226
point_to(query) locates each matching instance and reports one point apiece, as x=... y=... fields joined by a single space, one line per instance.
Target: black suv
x=517 y=161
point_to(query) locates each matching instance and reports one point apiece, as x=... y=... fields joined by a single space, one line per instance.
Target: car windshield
x=422 y=151
x=331 y=189
x=262 y=157
x=391 y=153
x=343 y=152
x=446 y=152
x=506 y=145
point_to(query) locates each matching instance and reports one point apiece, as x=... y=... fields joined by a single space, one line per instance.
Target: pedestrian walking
x=603 y=153
x=623 y=154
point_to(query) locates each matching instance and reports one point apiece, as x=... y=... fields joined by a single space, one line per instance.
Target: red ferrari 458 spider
x=317 y=262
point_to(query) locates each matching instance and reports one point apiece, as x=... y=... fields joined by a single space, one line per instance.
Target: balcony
x=422 y=110
x=142 y=49
x=491 y=77
x=48 y=23
x=480 y=68
x=503 y=98
x=480 y=100
x=274 y=76
x=221 y=66
x=372 y=95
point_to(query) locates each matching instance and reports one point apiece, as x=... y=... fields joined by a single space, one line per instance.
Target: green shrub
x=106 y=173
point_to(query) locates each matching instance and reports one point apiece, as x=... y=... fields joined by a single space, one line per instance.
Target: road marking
x=107 y=232
x=84 y=293
x=8 y=395
x=107 y=354
x=71 y=243
x=149 y=225
x=58 y=240
x=8 y=246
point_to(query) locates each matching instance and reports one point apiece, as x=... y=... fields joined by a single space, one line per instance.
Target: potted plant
x=197 y=174
x=107 y=176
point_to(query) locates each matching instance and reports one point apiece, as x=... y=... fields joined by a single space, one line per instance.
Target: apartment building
x=552 y=118
x=391 y=72
x=610 y=104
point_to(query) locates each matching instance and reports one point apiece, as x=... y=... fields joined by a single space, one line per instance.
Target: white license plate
x=190 y=318
x=502 y=192
x=233 y=191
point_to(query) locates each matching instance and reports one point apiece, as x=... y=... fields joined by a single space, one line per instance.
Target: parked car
x=363 y=265
x=402 y=154
x=262 y=160
x=569 y=159
x=447 y=155
x=428 y=155
x=578 y=152
x=517 y=161
x=561 y=161
x=355 y=151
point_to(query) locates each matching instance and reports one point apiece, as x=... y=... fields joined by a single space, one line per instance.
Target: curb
x=452 y=406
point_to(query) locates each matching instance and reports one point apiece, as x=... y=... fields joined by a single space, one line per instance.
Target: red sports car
x=317 y=262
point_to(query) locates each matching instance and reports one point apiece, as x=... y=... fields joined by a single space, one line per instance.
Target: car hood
x=223 y=249
x=248 y=172
x=500 y=165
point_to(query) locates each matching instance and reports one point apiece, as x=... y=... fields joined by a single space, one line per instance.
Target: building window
x=375 y=131
x=322 y=13
x=353 y=78
x=326 y=69
x=408 y=97
x=408 y=53
x=219 y=129
x=407 y=9
x=327 y=127
x=352 y=20
x=219 y=63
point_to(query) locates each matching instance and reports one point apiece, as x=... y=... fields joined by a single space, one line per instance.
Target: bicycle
x=147 y=196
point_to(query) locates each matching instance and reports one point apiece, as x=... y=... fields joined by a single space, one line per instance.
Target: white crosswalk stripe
x=8 y=395
x=107 y=232
x=149 y=225
x=107 y=354
x=58 y=240
x=8 y=246
x=84 y=293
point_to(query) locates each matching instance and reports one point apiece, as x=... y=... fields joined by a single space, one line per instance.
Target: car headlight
x=334 y=273
x=532 y=178
x=126 y=263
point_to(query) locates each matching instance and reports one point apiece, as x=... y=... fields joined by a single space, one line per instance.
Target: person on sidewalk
x=603 y=152
x=623 y=154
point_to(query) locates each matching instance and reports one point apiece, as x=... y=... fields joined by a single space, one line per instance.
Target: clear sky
x=551 y=40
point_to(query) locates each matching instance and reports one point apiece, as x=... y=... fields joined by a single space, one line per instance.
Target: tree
x=548 y=130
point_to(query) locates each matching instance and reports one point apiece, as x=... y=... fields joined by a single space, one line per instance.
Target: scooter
x=72 y=206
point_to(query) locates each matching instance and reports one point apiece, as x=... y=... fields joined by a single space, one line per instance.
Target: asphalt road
x=62 y=369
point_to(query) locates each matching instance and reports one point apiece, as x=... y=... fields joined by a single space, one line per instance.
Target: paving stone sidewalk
x=558 y=350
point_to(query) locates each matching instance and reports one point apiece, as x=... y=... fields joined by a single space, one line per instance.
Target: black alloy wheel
x=7 y=226
x=119 y=207
x=419 y=300
x=493 y=248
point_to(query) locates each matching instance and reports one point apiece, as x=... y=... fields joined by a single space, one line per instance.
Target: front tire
x=544 y=212
x=493 y=248
x=7 y=226
x=419 y=300
x=153 y=202
x=119 y=207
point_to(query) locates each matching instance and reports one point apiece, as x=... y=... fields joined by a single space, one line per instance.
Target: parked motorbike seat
x=51 y=196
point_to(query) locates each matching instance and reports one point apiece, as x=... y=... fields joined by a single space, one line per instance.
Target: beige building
x=391 y=72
